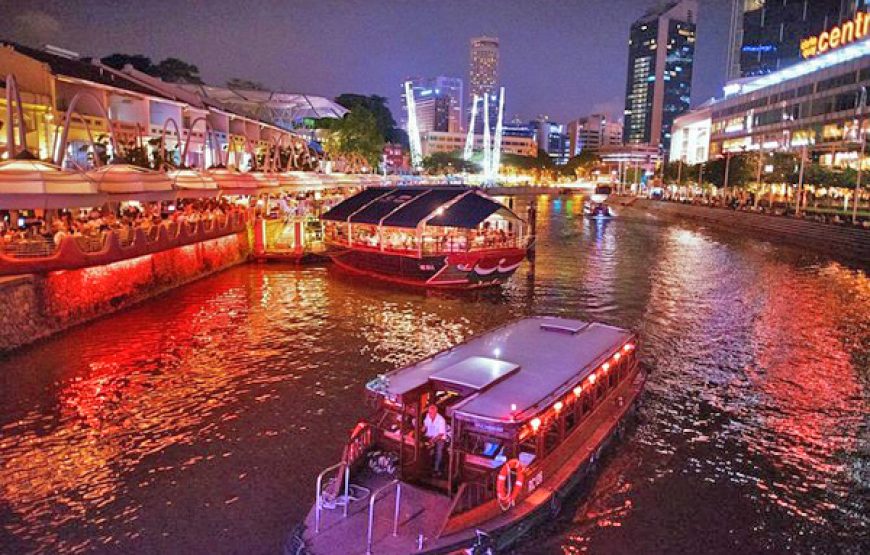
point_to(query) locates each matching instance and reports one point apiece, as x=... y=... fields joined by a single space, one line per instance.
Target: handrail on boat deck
x=318 y=503
x=374 y=498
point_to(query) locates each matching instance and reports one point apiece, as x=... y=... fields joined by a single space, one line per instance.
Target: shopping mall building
x=818 y=104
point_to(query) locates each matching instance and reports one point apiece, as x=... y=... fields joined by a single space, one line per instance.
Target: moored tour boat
x=446 y=237
x=530 y=406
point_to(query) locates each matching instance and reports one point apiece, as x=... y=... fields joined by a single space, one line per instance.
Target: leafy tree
x=447 y=163
x=581 y=165
x=245 y=84
x=377 y=106
x=354 y=136
x=138 y=61
x=173 y=70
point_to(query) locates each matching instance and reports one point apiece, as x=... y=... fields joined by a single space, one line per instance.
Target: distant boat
x=598 y=210
x=439 y=237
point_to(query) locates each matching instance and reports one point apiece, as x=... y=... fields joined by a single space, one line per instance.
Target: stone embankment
x=35 y=306
x=837 y=240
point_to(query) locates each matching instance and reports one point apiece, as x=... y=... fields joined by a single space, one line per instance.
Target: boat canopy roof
x=526 y=363
x=407 y=207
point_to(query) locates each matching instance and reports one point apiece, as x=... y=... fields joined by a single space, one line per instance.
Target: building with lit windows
x=134 y=107
x=766 y=36
x=690 y=142
x=483 y=77
x=551 y=138
x=817 y=106
x=660 y=60
x=435 y=141
x=592 y=133
x=438 y=103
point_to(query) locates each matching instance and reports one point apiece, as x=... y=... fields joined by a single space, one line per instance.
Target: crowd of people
x=747 y=202
x=435 y=240
x=20 y=234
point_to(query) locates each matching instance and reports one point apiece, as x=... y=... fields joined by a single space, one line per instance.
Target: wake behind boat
x=530 y=406
x=445 y=237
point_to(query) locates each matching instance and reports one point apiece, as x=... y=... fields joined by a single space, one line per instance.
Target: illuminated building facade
x=818 y=105
x=766 y=35
x=439 y=103
x=483 y=76
x=691 y=136
x=592 y=133
x=660 y=62
x=455 y=142
x=138 y=106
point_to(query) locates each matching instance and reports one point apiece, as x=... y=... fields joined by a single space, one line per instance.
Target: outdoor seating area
x=35 y=234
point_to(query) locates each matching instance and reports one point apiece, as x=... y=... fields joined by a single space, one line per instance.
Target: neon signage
x=840 y=35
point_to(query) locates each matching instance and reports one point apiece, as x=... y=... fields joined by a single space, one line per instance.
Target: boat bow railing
x=372 y=501
x=343 y=470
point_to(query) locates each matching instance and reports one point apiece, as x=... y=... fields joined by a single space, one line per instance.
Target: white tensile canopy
x=123 y=181
x=33 y=184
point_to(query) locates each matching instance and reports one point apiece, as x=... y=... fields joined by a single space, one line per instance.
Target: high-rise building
x=438 y=104
x=661 y=55
x=483 y=77
x=766 y=35
x=550 y=138
x=593 y=132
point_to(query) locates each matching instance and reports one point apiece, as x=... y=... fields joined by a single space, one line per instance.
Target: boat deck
x=420 y=512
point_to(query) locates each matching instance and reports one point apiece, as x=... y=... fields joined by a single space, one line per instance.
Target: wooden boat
x=446 y=237
x=598 y=209
x=530 y=407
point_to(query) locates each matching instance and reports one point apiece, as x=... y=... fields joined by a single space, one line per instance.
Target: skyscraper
x=439 y=104
x=661 y=55
x=591 y=133
x=766 y=35
x=483 y=75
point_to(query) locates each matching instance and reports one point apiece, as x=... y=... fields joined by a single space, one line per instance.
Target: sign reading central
x=841 y=35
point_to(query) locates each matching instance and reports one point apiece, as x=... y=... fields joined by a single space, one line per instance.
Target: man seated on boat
x=436 y=434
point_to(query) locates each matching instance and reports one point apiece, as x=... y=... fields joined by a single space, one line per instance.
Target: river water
x=197 y=421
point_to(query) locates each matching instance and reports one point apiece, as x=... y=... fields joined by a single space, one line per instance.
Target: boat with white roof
x=528 y=408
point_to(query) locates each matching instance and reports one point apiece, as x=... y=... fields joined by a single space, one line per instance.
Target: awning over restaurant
x=128 y=182
x=29 y=184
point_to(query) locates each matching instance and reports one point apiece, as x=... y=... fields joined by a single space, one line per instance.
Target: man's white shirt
x=435 y=427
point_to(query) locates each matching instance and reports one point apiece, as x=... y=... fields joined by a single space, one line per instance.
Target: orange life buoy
x=507 y=493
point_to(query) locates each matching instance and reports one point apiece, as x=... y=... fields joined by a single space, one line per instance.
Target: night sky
x=562 y=58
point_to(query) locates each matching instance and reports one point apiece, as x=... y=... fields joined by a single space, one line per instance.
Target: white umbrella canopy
x=265 y=181
x=299 y=181
x=233 y=182
x=128 y=182
x=27 y=183
x=194 y=184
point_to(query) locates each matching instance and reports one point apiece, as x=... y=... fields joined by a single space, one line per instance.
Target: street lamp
x=862 y=101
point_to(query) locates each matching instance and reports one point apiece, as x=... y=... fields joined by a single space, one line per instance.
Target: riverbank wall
x=839 y=241
x=35 y=306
